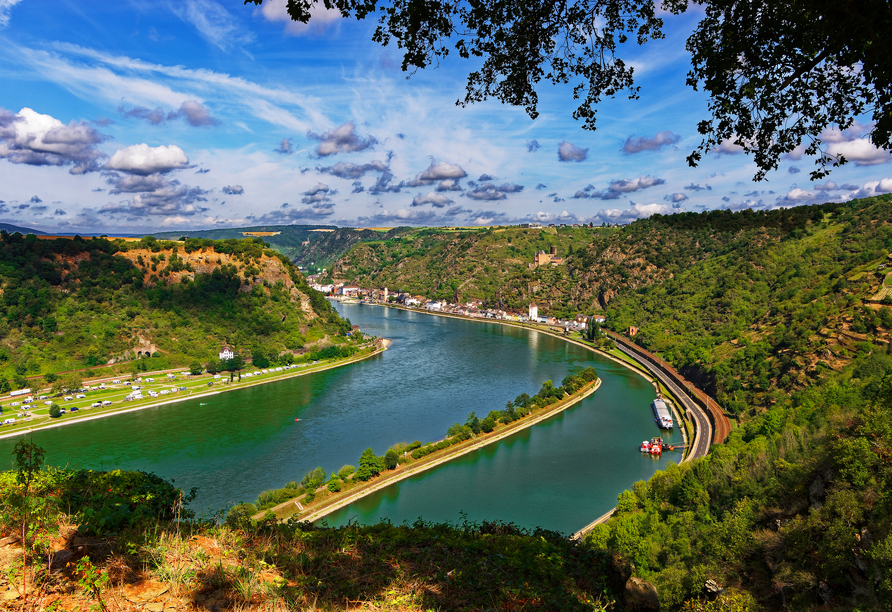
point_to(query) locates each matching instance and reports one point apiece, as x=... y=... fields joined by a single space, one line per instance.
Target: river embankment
x=102 y=413
x=336 y=502
x=624 y=360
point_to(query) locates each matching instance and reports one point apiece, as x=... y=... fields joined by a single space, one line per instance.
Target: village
x=472 y=308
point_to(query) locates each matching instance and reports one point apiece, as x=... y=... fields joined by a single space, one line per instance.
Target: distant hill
x=311 y=246
x=12 y=229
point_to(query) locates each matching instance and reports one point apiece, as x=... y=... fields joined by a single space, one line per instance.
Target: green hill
x=313 y=247
x=68 y=304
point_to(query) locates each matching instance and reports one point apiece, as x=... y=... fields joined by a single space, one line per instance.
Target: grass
x=276 y=567
x=195 y=387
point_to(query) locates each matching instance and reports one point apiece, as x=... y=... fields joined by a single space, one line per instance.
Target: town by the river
x=560 y=474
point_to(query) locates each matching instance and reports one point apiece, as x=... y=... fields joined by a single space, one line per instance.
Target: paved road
x=703 y=437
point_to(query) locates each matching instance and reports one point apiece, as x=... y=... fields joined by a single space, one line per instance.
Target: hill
x=313 y=247
x=744 y=303
x=22 y=230
x=67 y=304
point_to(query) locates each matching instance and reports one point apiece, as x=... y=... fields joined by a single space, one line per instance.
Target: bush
x=488 y=424
x=391 y=459
x=240 y=515
x=334 y=486
x=345 y=472
x=55 y=411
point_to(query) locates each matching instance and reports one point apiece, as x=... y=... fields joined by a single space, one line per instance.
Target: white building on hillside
x=226 y=353
x=534 y=312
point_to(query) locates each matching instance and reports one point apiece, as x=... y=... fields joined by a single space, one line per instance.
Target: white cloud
x=570 y=152
x=437 y=200
x=5 y=10
x=341 y=140
x=861 y=151
x=233 y=189
x=143 y=159
x=320 y=17
x=437 y=172
x=41 y=140
x=213 y=22
x=729 y=146
x=637 y=211
x=637 y=144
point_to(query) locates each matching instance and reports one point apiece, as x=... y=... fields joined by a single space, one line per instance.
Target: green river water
x=560 y=474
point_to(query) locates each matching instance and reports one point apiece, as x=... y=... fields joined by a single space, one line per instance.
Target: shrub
x=55 y=411
x=488 y=424
x=391 y=459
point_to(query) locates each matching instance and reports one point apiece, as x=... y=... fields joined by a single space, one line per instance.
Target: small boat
x=652 y=447
x=296 y=420
x=203 y=404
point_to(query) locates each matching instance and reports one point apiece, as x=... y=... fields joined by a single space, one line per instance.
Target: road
x=703 y=435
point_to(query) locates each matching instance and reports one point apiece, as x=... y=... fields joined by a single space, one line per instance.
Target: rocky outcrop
x=641 y=595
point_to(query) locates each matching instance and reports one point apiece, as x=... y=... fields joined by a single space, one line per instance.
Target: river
x=560 y=474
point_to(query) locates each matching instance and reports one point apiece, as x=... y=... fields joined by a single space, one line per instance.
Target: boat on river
x=662 y=415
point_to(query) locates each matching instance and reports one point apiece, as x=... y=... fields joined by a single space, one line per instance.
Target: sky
x=137 y=116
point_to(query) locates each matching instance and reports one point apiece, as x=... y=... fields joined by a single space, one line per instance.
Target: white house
x=534 y=312
x=226 y=353
x=347 y=291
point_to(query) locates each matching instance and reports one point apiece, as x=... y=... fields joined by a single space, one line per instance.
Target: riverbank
x=245 y=383
x=623 y=360
x=336 y=502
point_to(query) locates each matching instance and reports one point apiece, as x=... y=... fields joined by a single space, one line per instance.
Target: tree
x=391 y=459
x=259 y=358
x=474 y=423
x=592 y=330
x=195 y=368
x=214 y=366
x=778 y=72
x=488 y=424
x=369 y=465
x=5 y=387
x=55 y=411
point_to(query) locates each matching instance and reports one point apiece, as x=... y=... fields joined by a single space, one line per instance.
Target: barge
x=662 y=415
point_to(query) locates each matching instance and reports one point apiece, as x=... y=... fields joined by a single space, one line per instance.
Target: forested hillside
x=312 y=246
x=68 y=304
x=785 y=317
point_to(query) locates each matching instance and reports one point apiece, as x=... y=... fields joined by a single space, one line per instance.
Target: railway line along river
x=559 y=474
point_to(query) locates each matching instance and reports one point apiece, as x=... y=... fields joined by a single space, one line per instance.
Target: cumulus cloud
x=532 y=146
x=41 y=140
x=143 y=159
x=437 y=200
x=449 y=185
x=490 y=192
x=832 y=186
x=541 y=186
x=135 y=183
x=35 y=200
x=697 y=187
x=860 y=150
x=287 y=216
x=195 y=114
x=485 y=177
x=285 y=147
x=357 y=187
x=172 y=199
x=233 y=189
x=570 y=152
x=320 y=17
x=675 y=197
x=618 y=188
x=59 y=213
x=437 y=172
x=747 y=205
x=341 y=140
x=347 y=170
x=383 y=185
x=636 y=211
x=203 y=171
x=637 y=144
x=793 y=170
x=729 y=146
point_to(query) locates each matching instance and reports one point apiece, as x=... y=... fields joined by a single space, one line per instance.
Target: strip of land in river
x=387 y=478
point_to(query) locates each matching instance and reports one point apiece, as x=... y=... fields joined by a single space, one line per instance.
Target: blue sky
x=137 y=116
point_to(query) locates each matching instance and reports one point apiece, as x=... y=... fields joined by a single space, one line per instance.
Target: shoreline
x=421 y=466
x=635 y=367
x=111 y=413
